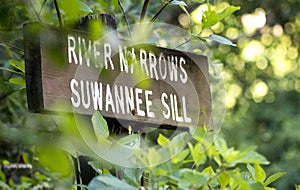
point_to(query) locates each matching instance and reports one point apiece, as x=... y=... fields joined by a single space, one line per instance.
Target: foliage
x=261 y=75
x=198 y=166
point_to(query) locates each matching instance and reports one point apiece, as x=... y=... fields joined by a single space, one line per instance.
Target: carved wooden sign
x=68 y=71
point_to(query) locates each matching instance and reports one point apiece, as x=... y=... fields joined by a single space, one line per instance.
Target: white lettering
x=165 y=114
x=152 y=65
x=183 y=76
x=73 y=85
x=97 y=95
x=86 y=104
x=138 y=101
x=71 y=49
x=148 y=103
x=109 y=99
x=107 y=56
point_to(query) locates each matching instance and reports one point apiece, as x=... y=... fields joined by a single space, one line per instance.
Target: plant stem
x=144 y=10
x=58 y=13
x=160 y=10
x=123 y=12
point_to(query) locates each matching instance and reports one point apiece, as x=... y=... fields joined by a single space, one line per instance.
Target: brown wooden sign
x=69 y=71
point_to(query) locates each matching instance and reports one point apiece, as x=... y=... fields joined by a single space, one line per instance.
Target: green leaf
x=274 y=177
x=180 y=156
x=153 y=157
x=198 y=133
x=55 y=160
x=191 y=179
x=181 y=4
x=163 y=141
x=85 y=8
x=257 y=186
x=129 y=139
x=220 y=39
x=133 y=174
x=18 y=81
x=223 y=179
x=100 y=125
x=260 y=174
x=18 y=65
x=251 y=171
x=198 y=157
x=211 y=17
x=175 y=2
x=10 y=70
x=5 y=88
x=109 y=182
x=4 y=185
x=73 y=9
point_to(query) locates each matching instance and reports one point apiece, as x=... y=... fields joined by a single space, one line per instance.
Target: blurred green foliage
x=261 y=75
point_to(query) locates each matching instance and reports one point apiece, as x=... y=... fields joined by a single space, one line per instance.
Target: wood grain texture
x=48 y=77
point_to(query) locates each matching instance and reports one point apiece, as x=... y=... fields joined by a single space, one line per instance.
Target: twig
x=58 y=13
x=160 y=10
x=144 y=10
x=42 y=7
x=35 y=12
x=11 y=46
x=124 y=15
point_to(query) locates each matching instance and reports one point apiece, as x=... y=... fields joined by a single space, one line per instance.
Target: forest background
x=261 y=73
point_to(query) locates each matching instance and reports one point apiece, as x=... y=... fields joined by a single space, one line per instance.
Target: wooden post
x=84 y=172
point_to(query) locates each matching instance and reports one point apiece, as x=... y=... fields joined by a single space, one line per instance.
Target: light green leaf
x=18 y=81
x=181 y=4
x=73 y=9
x=198 y=157
x=153 y=157
x=220 y=39
x=180 y=156
x=99 y=124
x=260 y=174
x=18 y=65
x=175 y=2
x=251 y=171
x=4 y=185
x=274 y=177
x=257 y=186
x=191 y=179
x=56 y=161
x=133 y=174
x=129 y=139
x=85 y=8
x=211 y=17
x=109 y=182
x=223 y=179
x=163 y=141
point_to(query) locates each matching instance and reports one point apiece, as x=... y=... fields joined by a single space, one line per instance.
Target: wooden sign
x=69 y=71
